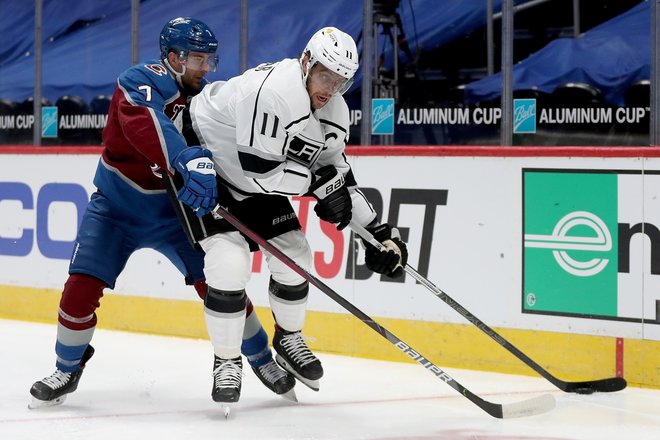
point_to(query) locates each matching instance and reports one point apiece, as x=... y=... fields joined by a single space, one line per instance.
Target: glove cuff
x=326 y=183
x=381 y=232
x=184 y=157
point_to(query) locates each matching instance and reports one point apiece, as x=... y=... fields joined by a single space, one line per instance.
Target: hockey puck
x=585 y=390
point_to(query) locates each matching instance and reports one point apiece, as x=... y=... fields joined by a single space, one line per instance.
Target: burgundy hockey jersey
x=140 y=138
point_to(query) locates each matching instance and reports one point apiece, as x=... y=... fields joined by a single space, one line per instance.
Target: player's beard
x=190 y=88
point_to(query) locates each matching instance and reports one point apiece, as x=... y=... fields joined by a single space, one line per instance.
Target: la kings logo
x=303 y=150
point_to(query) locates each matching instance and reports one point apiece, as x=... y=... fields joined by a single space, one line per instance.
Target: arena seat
x=7 y=110
x=71 y=105
x=638 y=94
x=100 y=104
x=27 y=106
x=577 y=95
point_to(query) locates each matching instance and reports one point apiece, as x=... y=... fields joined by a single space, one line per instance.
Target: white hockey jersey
x=265 y=137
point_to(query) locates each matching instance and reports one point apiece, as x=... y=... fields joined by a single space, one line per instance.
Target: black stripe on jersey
x=296 y=173
x=361 y=194
x=256 y=182
x=286 y=140
x=296 y=121
x=188 y=130
x=330 y=136
x=350 y=178
x=256 y=101
x=337 y=126
x=250 y=193
x=264 y=190
x=309 y=140
x=235 y=188
x=256 y=164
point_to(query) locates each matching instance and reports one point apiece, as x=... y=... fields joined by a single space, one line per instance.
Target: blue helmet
x=185 y=34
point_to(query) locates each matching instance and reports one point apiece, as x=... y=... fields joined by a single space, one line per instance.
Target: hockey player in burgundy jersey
x=131 y=208
x=278 y=130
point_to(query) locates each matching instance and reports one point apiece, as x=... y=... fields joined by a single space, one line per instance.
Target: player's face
x=201 y=61
x=322 y=84
x=197 y=64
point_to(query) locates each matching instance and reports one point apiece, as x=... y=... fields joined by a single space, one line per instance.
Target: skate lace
x=271 y=372
x=295 y=346
x=227 y=374
x=57 y=380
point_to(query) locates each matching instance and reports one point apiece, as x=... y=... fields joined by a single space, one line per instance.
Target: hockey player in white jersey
x=278 y=130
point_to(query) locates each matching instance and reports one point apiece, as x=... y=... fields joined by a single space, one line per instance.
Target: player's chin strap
x=177 y=75
x=306 y=66
x=584 y=387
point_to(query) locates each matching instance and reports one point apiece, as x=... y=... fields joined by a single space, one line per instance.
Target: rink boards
x=558 y=249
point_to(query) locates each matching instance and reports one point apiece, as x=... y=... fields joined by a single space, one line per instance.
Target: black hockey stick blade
x=585 y=387
x=609 y=385
x=529 y=407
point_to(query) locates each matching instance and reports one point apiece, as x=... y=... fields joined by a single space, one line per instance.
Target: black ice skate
x=295 y=357
x=227 y=375
x=53 y=390
x=277 y=380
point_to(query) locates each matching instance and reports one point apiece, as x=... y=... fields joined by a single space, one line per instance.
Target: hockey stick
x=584 y=387
x=529 y=407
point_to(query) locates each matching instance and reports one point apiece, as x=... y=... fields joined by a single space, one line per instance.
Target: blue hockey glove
x=199 y=189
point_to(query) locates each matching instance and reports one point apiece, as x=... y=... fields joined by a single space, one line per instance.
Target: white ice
x=152 y=387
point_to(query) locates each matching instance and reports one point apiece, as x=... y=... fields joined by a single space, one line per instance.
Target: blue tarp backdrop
x=86 y=43
x=610 y=56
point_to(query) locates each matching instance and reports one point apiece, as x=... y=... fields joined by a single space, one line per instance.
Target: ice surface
x=143 y=386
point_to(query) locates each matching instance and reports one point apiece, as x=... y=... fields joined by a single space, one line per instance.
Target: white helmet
x=336 y=50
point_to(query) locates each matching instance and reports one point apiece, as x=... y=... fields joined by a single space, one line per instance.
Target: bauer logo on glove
x=333 y=201
x=201 y=166
x=328 y=180
x=199 y=189
x=335 y=185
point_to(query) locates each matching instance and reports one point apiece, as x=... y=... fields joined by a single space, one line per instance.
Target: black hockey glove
x=392 y=261
x=333 y=201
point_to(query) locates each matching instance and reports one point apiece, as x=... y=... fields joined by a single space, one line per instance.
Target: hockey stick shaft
x=602 y=385
x=528 y=407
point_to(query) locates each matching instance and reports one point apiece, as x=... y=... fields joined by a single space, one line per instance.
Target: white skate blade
x=290 y=395
x=226 y=408
x=313 y=384
x=36 y=403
